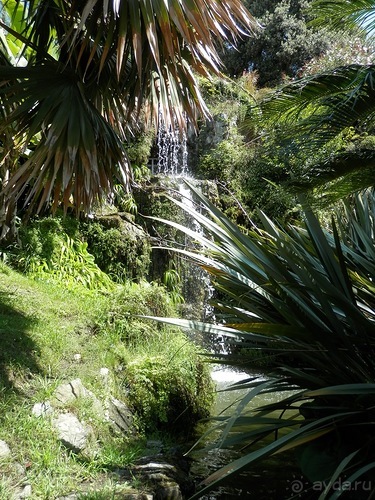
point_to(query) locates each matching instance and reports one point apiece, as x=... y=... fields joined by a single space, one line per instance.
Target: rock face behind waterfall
x=151 y=199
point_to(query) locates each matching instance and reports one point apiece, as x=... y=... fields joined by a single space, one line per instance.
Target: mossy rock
x=121 y=248
x=169 y=396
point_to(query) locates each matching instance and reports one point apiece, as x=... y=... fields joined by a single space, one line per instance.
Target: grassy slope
x=42 y=328
x=39 y=323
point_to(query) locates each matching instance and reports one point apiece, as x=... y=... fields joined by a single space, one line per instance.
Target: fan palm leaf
x=316 y=110
x=78 y=152
x=92 y=66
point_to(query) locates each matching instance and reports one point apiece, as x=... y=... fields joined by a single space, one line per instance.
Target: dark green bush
x=46 y=250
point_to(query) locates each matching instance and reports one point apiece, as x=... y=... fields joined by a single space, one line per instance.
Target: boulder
x=71 y=432
x=167 y=477
x=120 y=416
x=65 y=394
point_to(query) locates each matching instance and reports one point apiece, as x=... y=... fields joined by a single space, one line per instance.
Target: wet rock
x=169 y=491
x=4 y=449
x=138 y=496
x=71 y=432
x=166 y=478
x=153 y=447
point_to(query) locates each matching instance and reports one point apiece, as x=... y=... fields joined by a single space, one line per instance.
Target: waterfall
x=172 y=152
x=196 y=274
x=172 y=163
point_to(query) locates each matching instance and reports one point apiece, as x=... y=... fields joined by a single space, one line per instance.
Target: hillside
x=53 y=338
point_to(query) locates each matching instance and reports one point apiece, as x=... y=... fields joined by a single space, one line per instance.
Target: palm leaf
x=340 y=14
x=103 y=62
x=319 y=107
x=304 y=295
x=81 y=156
x=164 y=40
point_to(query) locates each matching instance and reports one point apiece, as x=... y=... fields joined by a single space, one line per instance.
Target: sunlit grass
x=51 y=335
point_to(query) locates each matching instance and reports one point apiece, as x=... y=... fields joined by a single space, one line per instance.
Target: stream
x=268 y=480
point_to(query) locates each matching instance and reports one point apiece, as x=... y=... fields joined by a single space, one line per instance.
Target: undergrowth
x=52 y=334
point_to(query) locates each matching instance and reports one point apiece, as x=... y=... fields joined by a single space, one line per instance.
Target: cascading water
x=172 y=152
x=173 y=163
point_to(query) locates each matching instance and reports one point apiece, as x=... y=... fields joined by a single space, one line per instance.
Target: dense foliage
x=244 y=157
x=96 y=253
x=283 y=45
x=306 y=295
x=75 y=78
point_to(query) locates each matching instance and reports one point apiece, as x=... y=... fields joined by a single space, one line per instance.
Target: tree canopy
x=282 y=46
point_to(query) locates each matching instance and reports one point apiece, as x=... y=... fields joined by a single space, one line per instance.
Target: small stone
x=23 y=492
x=77 y=357
x=104 y=372
x=42 y=409
x=19 y=470
x=4 y=449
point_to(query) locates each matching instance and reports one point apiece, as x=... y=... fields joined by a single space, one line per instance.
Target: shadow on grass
x=17 y=350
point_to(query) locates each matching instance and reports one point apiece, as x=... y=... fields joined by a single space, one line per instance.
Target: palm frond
x=78 y=156
x=164 y=43
x=306 y=295
x=93 y=66
x=318 y=108
x=339 y=14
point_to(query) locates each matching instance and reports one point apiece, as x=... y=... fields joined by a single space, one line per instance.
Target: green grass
x=43 y=326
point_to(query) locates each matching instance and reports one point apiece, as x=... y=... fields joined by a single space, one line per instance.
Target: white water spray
x=172 y=152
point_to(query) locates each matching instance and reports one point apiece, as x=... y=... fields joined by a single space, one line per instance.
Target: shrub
x=164 y=378
x=120 y=248
x=46 y=251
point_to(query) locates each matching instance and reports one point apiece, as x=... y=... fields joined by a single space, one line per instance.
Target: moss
x=169 y=395
x=120 y=247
